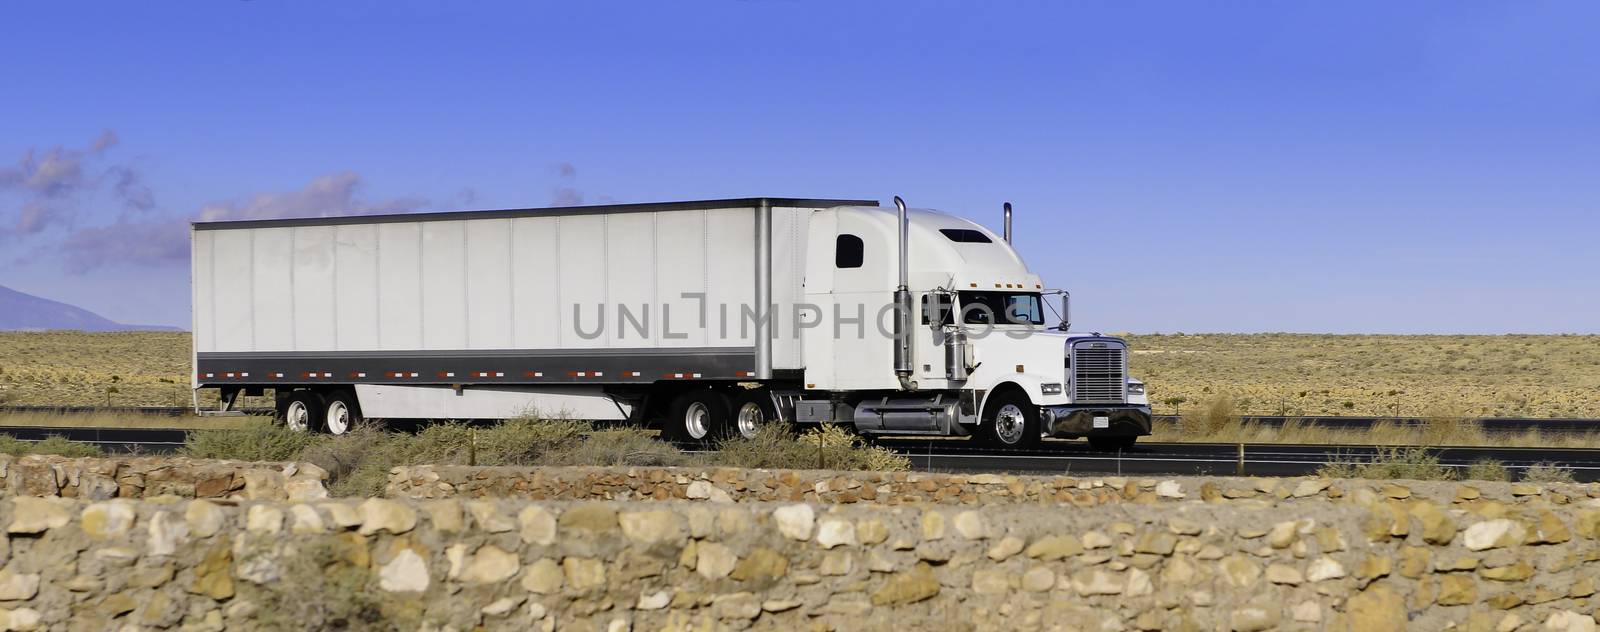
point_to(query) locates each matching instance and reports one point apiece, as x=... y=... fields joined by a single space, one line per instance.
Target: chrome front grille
x=1099 y=372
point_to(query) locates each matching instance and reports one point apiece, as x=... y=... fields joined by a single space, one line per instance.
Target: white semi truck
x=707 y=319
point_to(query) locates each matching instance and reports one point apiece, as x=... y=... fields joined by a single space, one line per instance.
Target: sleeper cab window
x=847 y=251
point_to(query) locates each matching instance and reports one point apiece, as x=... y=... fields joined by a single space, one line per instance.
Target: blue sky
x=1225 y=166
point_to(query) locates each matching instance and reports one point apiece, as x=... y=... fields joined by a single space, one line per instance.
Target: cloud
x=145 y=241
x=165 y=239
x=53 y=183
x=330 y=195
x=566 y=196
x=130 y=189
x=107 y=140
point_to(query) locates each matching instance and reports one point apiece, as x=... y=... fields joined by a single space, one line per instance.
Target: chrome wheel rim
x=697 y=420
x=338 y=421
x=749 y=419
x=297 y=417
x=1009 y=424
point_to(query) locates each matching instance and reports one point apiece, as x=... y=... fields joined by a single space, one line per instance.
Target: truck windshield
x=1000 y=308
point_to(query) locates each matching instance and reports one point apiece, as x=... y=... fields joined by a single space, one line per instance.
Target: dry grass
x=74 y=368
x=1391 y=463
x=358 y=463
x=1299 y=374
x=1212 y=424
x=1547 y=473
x=118 y=420
x=50 y=445
x=1267 y=374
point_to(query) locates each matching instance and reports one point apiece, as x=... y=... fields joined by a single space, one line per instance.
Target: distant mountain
x=26 y=312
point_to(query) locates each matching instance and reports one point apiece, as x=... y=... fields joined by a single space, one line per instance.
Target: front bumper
x=1071 y=422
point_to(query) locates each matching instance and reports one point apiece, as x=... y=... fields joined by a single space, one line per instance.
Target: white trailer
x=706 y=318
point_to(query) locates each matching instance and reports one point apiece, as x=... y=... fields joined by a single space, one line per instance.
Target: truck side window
x=848 y=252
x=936 y=308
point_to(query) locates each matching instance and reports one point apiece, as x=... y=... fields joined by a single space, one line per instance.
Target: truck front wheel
x=697 y=418
x=1012 y=422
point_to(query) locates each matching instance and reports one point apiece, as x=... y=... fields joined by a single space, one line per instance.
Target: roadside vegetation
x=1267 y=374
x=1399 y=376
x=1413 y=463
x=50 y=445
x=358 y=463
x=118 y=420
x=1220 y=420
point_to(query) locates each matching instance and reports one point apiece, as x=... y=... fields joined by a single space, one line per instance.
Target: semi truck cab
x=984 y=356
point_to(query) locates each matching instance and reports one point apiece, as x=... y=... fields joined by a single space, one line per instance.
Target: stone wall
x=888 y=488
x=141 y=477
x=1171 y=555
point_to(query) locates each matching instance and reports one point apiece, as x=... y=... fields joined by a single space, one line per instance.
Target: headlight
x=1135 y=388
x=1051 y=388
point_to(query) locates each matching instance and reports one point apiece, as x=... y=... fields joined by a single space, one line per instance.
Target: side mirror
x=1066 y=311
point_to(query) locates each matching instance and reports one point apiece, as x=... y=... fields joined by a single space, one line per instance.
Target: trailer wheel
x=752 y=411
x=301 y=411
x=343 y=413
x=698 y=418
x=1012 y=421
x=1112 y=444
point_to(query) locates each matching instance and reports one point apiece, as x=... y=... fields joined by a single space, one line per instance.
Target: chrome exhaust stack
x=1007 y=234
x=903 y=361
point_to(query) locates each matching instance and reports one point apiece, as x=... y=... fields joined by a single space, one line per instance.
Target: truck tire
x=697 y=418
x=1011 y=421
x=752 y=411
x=342 y=413
x=302 y=411
x=1112 y=444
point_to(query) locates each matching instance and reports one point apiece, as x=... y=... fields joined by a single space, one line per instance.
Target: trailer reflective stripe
x=633 y=374
x=499 y=374
x=749 y=373
x=277 y=375
x=244 y=375
x=532 y=374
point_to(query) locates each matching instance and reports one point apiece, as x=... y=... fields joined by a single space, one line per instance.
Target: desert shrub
x=1219 y=414
x=1547 y=473
x=1448 y=424
x=827 y=446
x=50 y=445
x=261 y=442
x=618 y=447
x=528 y=440
x=1402 y=463
x=1486 y=470
x=358 y=463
